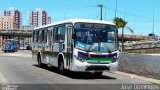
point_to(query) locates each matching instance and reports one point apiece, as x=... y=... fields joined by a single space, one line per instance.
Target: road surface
x=19 y=69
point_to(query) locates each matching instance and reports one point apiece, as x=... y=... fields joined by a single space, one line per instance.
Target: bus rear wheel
x=39 y=61
x=61 y=67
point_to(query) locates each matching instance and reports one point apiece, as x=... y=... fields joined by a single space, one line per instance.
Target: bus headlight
x=114 y=59
x=78 y=58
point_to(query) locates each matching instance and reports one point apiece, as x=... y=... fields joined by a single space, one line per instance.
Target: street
x=21 y=69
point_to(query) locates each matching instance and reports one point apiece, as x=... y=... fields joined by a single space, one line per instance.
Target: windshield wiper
x=109 y=51
x=88 y=50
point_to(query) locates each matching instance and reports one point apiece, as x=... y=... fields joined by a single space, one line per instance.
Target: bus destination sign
x=94 y=25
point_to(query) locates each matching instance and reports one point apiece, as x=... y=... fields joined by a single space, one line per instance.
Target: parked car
x=25 y=47
x=127 y=43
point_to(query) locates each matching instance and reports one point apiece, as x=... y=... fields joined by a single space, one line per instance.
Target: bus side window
x=37 y=33
x=33 y=36
x=45 y=35
x=56 y=34
x=42 y=35
x=61 y=34
x=53 y=35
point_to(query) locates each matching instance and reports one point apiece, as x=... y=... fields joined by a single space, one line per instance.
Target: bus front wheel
x=98 y=74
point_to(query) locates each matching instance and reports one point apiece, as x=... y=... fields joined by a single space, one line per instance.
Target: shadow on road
x=75 y=75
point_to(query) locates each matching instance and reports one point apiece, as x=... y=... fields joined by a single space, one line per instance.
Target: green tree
x=120 y=23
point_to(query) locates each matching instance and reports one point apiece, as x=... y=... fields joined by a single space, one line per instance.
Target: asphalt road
x=19 y=70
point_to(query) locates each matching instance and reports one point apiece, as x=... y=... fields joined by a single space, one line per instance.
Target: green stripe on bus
x=105 y=60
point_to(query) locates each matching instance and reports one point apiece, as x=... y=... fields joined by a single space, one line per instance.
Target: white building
x=38 y=18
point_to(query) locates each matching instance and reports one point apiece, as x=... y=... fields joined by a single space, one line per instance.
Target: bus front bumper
x=84 y=66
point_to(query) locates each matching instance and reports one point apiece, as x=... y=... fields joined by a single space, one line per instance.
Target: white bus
x=77 y=45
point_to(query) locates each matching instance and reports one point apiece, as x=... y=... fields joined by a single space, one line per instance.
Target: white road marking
x=2 y=79
x=16 y=54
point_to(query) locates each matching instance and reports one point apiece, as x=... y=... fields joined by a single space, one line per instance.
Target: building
x=10 y=19
x=16 y=14
x=49 y=20
x=7 y=22
x=38 y=18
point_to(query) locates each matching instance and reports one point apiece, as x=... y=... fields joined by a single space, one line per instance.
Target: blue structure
x=10 y=45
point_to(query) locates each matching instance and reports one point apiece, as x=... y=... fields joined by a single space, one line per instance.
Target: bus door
x=49 y=44
x=49 y=40
x=69 y=46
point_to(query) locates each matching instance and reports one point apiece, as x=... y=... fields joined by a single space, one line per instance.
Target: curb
x=151 y=80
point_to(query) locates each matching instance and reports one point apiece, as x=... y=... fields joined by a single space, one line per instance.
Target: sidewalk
x=1 y=50
x=153 y=54
x=155 y=81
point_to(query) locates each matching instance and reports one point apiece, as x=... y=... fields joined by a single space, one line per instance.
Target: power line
x=127 y=13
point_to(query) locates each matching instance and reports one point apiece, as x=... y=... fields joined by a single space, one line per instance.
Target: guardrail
x=16 y=33
x=142 y=45
x=134 y=37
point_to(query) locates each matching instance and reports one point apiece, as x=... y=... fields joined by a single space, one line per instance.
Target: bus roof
x=75 y=21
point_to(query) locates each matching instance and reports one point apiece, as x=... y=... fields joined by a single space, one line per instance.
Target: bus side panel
x=34 y=51
x=54 y=54
x=46 y=54
x=54 y=59
x=42 y=53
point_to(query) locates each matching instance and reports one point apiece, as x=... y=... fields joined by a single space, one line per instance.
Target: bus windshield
x=96 y=40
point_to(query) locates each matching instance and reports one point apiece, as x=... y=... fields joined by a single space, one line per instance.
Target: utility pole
x=101 y=7
x=153 y=24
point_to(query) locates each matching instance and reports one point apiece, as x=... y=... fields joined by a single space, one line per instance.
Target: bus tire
x=61 y=65
x=39 y=60
x=98 y=74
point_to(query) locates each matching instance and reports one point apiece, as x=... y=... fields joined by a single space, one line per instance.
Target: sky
x=138 y=13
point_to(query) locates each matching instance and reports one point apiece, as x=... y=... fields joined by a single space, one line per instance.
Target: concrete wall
x=145 y=50
x=144 y=65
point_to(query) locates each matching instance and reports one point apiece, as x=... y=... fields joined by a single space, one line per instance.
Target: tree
x=120 y=23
